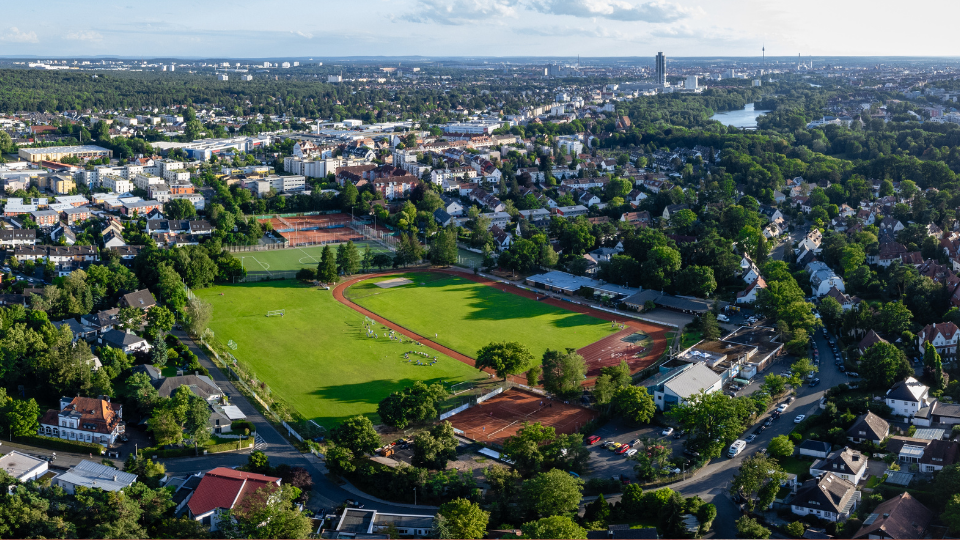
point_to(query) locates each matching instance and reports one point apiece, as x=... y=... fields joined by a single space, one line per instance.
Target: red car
x=593 y=439
x=623 y=449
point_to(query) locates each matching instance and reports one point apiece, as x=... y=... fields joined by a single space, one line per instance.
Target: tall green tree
x=563 y=372
x=553 y=527
x=443 y=250
x=504 y=357
x=327 y=269
x=357 y=435
x=552 y=493
x=464 y=518
x=883 y=365
x=634 y=404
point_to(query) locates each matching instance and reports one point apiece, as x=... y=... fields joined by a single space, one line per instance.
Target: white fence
x=452 y=412
x=485 y=397
x=291 y=431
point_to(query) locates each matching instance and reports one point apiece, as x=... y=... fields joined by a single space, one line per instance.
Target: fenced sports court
x=503 y=415
x=319 y=229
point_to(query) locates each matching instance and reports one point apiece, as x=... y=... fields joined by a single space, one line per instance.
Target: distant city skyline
x=470 y=28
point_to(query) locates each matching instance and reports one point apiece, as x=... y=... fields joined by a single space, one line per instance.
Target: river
x=746 y=118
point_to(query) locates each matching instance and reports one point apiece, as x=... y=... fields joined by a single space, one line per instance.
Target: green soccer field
x=292 y=259
x=465 y=315
x=317 y=357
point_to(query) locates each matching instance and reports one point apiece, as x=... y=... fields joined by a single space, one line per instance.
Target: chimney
x=114 y=478
x=885 y=515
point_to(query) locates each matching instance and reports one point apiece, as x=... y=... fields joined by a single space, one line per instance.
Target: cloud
x=14 y=35
x=659 y=11
x=301 y=33
x=459 y=12
x=84 y=36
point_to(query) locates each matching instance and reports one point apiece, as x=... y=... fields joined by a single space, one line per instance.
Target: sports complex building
x=56 y=153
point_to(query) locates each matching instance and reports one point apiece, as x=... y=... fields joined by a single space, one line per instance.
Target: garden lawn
x=317 y=357
x=465 y=315
x=292 y=259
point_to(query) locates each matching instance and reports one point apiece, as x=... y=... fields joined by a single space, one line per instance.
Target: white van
x=737 y=447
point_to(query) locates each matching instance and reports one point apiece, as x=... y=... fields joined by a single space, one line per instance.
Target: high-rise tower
x=661 y=69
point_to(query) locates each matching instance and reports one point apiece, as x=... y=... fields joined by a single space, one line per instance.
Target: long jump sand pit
x=395 y=282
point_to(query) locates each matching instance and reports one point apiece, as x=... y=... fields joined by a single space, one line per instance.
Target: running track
x=655 y=332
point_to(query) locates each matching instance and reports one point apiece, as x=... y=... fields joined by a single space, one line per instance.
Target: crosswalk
x=259 y=443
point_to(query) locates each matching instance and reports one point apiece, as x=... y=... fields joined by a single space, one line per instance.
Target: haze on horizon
x=326 y=28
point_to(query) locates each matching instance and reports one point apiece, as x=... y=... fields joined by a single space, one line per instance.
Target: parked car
x=814 y=383
x=679 y=434
x=768 y=423
x=632 y=452
x=593 y=439
x=691 y=453
x=667 y=432
x=623 y=449
x=114 y=454
x=615 y=446
x=853 y=374
x=723 y=318
x=791 y=399
x=750 y=438
x=635 y=442
x=799 y=418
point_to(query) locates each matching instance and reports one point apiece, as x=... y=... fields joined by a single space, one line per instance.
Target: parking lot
x=605 y=463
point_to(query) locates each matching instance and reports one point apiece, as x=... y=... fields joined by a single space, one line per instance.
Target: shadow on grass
x=369 y=392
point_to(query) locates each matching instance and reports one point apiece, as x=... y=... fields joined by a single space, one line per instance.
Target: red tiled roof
x=225 y=488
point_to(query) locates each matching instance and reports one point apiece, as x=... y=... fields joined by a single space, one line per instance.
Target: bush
x=228 y=446
x=597 y=486
x=240 y=425
x=53 y=443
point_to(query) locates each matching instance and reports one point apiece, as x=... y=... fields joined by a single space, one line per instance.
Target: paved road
x=713 y=481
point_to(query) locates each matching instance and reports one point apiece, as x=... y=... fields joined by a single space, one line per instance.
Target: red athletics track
x=596 y=354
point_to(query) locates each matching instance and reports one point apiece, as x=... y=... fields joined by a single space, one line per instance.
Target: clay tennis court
x=503 y=415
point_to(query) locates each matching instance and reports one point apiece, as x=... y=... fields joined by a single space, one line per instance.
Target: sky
x=557 y=28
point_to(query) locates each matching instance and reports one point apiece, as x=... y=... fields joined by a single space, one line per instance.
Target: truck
x=737 y=447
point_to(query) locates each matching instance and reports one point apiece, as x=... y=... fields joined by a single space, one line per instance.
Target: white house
x=811 y=241
x=848 y=464
x=95 y=420
x=943 y=336
x=907 y=397
x=828 y=497
x=749 y=295
x=125 y=341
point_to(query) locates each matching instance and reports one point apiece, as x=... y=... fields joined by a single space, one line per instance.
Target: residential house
x=673 y=209
x=501 y=238
x=93 y=476
x=451 y=206
x=815 y=449
x=368 y=523
x=749 y=295
x=901 y=517
x=103 y=321
x=869 y=340
x=45 y=218
x=828 y=497
x=18 y=237
x=85 y=419
x=201 y=385
x=125 y=341
x=823 y=278
x=812 y=241
x=442 y=218
x=907 y=397
x=221 y=490
x=772 y=214
x=846 y=301
x=142 y=299
x=537 y=217
x=848 y=464
x=571 y=211
x=868 y=428
x=943 y=336
x=641 y=218
x=929 y=455
x=890 y=225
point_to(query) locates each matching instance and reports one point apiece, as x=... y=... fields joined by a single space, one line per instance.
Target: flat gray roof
x=64 y=149
x=570 y=282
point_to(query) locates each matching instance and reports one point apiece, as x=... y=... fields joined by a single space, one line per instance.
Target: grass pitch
x=317 y=357
x=293 y=259
x=466 y=315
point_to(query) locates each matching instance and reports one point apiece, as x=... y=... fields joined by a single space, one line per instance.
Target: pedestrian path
x=259 y=443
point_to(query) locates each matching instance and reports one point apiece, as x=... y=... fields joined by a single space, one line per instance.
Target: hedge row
x=53 y=443
x=228 y=446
